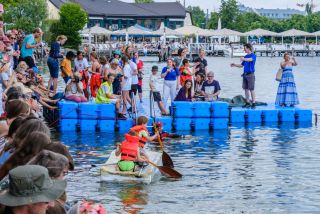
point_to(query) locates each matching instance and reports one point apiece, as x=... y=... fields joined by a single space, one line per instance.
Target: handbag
x=279 y=75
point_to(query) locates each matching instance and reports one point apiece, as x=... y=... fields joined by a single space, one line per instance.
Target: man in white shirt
x=81 y=65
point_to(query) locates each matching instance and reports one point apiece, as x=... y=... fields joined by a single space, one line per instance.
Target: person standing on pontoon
x=287 y=93
x=248 y=78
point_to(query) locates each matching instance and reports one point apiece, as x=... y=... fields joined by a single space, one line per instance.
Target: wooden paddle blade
x=169 y=172
x=166 y=160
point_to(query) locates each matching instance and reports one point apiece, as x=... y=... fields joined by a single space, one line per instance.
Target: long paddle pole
x=166 y=159
x=167 y=171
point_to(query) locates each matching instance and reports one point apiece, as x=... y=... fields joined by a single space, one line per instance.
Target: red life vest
x=184 y=76
x=95 y=83
x=137 y=129
x=129 y=148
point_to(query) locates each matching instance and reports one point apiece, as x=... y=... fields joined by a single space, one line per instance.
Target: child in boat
x=164 y=135
x=130 y=152
x=141 y=130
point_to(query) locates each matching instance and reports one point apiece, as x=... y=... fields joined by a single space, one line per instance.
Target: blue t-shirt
x=172 y=75
x=248 y=67
x=27 y=51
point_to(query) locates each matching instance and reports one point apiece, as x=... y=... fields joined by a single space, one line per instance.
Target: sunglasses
x=210 y=76
x=13 y=38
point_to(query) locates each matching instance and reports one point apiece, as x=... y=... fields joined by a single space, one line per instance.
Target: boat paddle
x=167 y=171
x=166 y=159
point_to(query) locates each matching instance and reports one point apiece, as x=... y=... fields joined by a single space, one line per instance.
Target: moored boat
x=110 y=170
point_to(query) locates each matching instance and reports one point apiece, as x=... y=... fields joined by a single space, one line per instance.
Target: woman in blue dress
x=287 y=93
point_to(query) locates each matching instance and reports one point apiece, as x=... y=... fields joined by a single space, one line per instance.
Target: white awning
x=261 y=32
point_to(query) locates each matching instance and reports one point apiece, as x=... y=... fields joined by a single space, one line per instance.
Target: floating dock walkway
x=185 y=116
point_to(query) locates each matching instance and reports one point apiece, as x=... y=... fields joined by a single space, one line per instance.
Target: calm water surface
x=269 y=169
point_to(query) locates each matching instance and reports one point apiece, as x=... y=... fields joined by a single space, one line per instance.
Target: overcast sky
x=214 y=4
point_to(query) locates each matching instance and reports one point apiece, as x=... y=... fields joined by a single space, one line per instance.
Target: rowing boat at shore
x=110 y=171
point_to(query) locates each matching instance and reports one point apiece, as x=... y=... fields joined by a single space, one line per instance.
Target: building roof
x=117 y=8
x=164 y=8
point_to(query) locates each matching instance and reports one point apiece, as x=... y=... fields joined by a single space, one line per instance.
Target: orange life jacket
x=137 y=129
x=129 y=148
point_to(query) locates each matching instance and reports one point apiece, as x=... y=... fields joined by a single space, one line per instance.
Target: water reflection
x=132 y=197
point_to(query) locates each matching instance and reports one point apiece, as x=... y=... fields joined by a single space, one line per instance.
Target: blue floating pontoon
x=186 y=116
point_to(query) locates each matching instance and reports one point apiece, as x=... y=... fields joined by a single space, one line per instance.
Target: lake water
x=270 y=169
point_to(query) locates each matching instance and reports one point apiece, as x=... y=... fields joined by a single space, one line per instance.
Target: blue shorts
x=53 y=65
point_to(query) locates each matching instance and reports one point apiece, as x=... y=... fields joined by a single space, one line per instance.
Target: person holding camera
x=74 y=89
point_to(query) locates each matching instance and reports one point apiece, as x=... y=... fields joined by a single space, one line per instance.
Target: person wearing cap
x=165 y=135
x=117 y=54
x=30 y=190
x=28 y=45
x=156 y=86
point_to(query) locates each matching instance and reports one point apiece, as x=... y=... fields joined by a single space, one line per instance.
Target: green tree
x=72 y=19
x=27 y=15
x=229 y=12
x=213 y=21
x=143 y=1
x=8 y=3
x=298 y=22
x=198 y=16
x=313 y=22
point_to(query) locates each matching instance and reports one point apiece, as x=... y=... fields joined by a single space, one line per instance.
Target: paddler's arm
x=142 y=158
x=153 y=137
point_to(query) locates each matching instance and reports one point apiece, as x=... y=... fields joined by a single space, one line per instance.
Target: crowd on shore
x=32 y=168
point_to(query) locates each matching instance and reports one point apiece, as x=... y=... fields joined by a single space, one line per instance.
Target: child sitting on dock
x=130 y=152
x=165 y=135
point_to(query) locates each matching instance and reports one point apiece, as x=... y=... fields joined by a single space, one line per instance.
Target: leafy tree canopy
x=26 y=15
x=72 y=19
x=198 y=16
